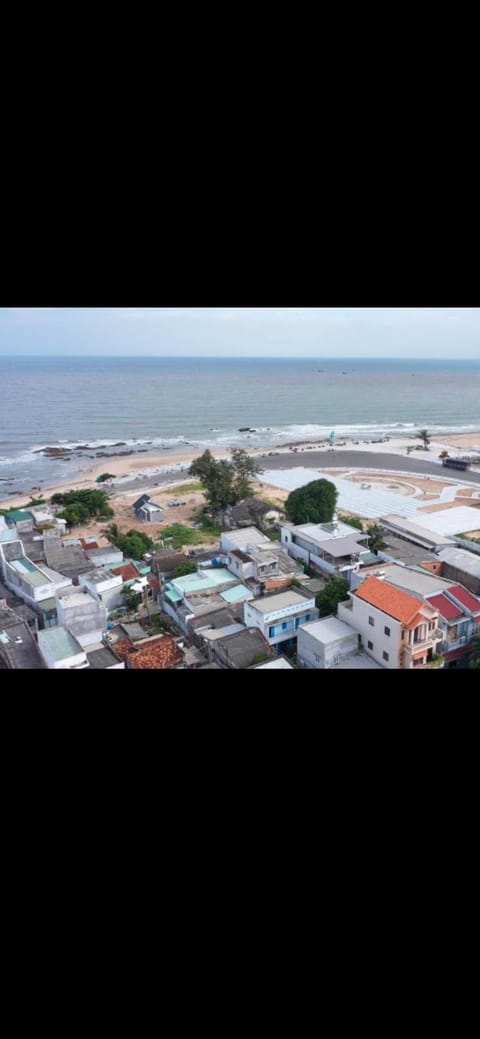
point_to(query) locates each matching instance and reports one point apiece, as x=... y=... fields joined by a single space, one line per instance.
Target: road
x=322 y=460
x=368 y=460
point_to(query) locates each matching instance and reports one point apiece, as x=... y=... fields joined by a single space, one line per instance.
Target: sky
x=242 y=332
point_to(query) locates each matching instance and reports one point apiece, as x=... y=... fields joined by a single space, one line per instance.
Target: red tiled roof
x=88 y=544
x=454 y=654
x=466 y=598
x=391 y=600
x=128 y=571
x=446 y=609
x=161 y=652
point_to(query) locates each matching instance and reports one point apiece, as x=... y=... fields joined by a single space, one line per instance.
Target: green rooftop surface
x=17 y=515
x=47 y=605
x=240 y=591
x=203 y=580
x=59 y=643
x=29 y=572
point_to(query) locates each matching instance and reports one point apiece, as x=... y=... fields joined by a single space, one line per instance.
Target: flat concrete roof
x=424 y=583
x=59 y=643
x=462 y=559
x=246 y=536
x=77 y=599
x=327 y=629
x=29 y=572
x=280 y=664
x=271 y=603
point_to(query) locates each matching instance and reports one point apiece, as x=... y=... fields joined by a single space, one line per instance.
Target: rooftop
x=59 y=643
x=77 y=599
x=157 y=653
x=357 y=662
x=245 y=537
x=102 y=658
x=17 y=645
x=421 y=582
x=461 y=559
x=241 y=649
x=414 y=530
x=237 y=593
x=271 y=603
x=466 y=598
x=393 y=601
x=445 y=607
x=128 y=571
x=279 y=664
x=26 y=569
x=203 y=579
x=328 y=629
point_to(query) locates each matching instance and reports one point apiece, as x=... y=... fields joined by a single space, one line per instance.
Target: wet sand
x=153 y=470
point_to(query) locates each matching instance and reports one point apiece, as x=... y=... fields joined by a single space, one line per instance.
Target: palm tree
x=424 y=435
x=111 y=533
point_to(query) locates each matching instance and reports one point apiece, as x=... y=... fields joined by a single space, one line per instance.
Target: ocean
x=102 y=405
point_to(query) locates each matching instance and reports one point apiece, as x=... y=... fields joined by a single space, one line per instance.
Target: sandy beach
x=153 y=470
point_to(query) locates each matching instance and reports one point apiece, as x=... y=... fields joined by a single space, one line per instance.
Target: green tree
x=185 y=568
x=376 y=540
x=225 y=483
x=424 y=435
x=90 y=503
x=335 y=591
x=353 y=521
x=134 y=543
x=314 y=503
x=216 y=479
x=111 y=533
x=132 y=599
x=245 y=468
x=475 y=661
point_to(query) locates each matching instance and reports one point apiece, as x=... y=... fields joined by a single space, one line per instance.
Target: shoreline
x=164 y=470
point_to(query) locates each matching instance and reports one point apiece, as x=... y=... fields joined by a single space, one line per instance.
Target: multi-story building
x=397 y=629
x=279 y=617
x=333 y=548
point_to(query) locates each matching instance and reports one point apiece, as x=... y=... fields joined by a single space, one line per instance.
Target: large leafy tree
x=335 y=591
x=225 y=483
x=245 y=468
x=314 y=503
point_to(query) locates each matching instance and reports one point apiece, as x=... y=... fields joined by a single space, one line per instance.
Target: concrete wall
x=358 y=617
x=453 y=573
x=312 y=653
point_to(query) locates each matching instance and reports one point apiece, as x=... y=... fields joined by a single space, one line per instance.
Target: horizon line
x=247 y=357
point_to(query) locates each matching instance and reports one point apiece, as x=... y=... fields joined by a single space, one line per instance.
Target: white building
x=245 y=538
x=105 y=586
x=279 y=617
x=325 y=643
x=331 y=548
x=397 y=629
x=61 y=650
x=84 y=616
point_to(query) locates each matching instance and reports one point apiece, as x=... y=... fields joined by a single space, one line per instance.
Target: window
x=271 y=632
x=370 y=645
x=284 y=625
x=385 y=655
x=317 y=658
x=371 y=621
x=386 y=630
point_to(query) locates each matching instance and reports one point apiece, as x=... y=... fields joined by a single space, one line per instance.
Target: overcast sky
x=237 y=332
